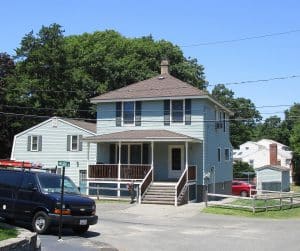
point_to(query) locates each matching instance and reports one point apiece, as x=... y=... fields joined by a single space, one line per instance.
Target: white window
x=130 y=153
x=177 y=111
x=227 y=154
x=74 y=142
x=251 y=162
x=219 y=154
x=288 y=161
x=128 y=112
x=34 y=143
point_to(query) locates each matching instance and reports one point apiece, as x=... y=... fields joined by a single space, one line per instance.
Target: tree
x=273 y=128
x=7 y=67
x=243 y=122
x=242 y=169
x=57 y=74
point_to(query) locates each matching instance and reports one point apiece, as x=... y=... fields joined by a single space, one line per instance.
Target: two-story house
x=57 y=139
x=167 y=136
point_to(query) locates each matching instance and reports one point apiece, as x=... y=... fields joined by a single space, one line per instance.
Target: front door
x=176 y=161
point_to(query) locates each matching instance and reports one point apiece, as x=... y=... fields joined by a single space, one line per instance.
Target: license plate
x=82 y=222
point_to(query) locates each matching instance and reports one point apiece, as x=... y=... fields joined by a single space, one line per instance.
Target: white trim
x=122 y=113
x=95 y=101
x=37 y=143
x=175 y=173
x=228 y=154
x=71 y=143
x=129 y=151
x=144 y=140
x=183 y=112
x=13 y=149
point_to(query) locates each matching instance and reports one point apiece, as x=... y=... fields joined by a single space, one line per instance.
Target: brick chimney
x=164 y=67
x=273 y=154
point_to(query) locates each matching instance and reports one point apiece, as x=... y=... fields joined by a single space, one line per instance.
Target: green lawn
x=295 y=188
x=274 y=213
x=7 y=233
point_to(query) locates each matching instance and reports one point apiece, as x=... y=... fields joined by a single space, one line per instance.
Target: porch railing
x=189 y=174
x=110 y=171
x=145 y=184
x=103 y=171
x=134 y=171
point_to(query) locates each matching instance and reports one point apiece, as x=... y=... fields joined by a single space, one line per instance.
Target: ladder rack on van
x=19 y=164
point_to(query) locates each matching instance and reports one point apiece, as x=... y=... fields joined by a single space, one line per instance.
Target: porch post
x=119 y=170
x=186 y=155
x=152 y=159
x=88 y=159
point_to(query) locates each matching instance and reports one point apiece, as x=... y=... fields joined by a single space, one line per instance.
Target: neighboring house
x=57 y=139
x=258 y=154
x=169 y=137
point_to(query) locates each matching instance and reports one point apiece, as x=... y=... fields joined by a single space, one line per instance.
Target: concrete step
x=161 y=190
x=163 y=196
x=158 y=202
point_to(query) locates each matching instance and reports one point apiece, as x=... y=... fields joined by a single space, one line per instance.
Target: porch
x=145 y=160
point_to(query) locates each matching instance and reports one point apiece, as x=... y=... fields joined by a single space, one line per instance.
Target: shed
x=273 y=178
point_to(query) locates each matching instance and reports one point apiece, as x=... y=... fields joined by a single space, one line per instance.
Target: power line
x=242 y=39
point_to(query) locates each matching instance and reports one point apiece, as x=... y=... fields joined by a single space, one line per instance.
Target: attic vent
x=161 y=78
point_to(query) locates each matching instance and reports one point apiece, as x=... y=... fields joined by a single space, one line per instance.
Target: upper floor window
x=34 y=143
x=219 y=154
x=177 y=111
x=74 y=143
x=128 y=112
x=227 y=154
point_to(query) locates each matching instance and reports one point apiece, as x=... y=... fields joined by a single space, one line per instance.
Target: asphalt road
x=155 y=227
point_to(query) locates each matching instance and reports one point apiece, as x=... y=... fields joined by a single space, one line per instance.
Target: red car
x=242 y=188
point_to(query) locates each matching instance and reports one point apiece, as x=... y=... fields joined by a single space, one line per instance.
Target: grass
x=274 y=213
x=295 y=188
x=7 y=233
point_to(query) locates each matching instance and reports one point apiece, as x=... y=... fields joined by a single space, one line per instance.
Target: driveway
x=156 y=227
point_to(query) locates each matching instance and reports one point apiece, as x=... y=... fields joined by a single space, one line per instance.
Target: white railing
x=142 y=188
x=179 y=185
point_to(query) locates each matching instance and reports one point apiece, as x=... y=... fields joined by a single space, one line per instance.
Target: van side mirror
x=78 y=189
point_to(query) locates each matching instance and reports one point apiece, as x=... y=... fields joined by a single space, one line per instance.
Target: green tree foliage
x=61 y=73
x=241 y=170
x=243 y=122
x=275 y=129
x=7 y=67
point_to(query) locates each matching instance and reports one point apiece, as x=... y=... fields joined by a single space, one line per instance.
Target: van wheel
x=40 y=222
x=80 y=229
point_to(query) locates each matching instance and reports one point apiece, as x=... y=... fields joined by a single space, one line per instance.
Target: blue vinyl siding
x=54 y=148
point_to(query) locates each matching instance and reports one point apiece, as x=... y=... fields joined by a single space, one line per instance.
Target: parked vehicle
x=34 y=197
x=242 y=188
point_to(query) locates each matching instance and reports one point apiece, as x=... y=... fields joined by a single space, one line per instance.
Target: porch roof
x=141 y=135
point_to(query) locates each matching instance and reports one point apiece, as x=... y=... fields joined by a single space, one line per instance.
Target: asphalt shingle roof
x=140 y=135
x=163 y=85
x=83 y=124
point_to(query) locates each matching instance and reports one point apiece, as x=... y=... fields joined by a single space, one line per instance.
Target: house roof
x=82 y=124
x=273 y=167
x=140 y=135
x=161 y=86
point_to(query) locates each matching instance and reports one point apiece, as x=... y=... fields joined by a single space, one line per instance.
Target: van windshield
x=52 y=184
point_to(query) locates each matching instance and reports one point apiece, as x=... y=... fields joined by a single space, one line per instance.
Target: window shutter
x=138 y=113
x=145 y=154
x=166 y=112
x=40 y=142
x=80 y=142
x=188 y=112
x=68 y=142
x=112 y=154
x=118 y=113
x=224 y=121
x=29 y=143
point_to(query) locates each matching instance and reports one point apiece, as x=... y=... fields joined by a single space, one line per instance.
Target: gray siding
x=54 y=148
x=214 y=139
x=152 y=117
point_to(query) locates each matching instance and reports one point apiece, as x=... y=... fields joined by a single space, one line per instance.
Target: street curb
x=25 y=241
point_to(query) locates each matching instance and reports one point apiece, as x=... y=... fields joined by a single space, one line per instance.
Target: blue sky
x=185 y=23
